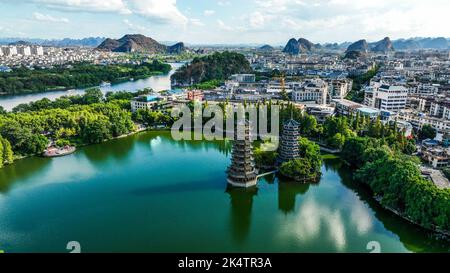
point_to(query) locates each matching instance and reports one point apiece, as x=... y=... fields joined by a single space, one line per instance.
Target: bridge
x=265 y=174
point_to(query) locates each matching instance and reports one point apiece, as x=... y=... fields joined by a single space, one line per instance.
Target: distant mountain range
x=294 y=46
x=66 y=42
x=139 y=43
x=302 y=45
x=361 y=48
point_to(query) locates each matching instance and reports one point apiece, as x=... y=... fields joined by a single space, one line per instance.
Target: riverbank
x=157 y=83
x=438 y=231
x=132 y=180
x=79 y=145
x=80 y=75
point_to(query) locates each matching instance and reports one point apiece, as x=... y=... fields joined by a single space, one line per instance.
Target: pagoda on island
x=242 y=172
x=289 y=148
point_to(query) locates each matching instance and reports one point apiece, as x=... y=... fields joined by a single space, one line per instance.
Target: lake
x=157 y=83
x=149 y=193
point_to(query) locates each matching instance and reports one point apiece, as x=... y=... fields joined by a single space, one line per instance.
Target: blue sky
x=226 y=21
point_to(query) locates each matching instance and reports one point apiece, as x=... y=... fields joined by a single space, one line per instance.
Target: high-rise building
x=390 y=98
x=242 y=172
x=37 y=50
x=289 y=148
x=24 y=50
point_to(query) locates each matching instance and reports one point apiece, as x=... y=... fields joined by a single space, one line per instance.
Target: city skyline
x=225 y=22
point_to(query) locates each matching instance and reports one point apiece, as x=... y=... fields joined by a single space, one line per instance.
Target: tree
x=353 y=151
x=1 y=156
x=96 y=130
x=8 y=155
x=23 y=140
x=264 y=158
x=427 y=132
x=92 y=95
x=308 y=125
x=2 y=110
x=337 y=141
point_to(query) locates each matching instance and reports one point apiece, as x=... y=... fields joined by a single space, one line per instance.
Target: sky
x=226 y=21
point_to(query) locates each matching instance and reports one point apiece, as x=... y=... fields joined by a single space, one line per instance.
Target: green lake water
x=148 y=193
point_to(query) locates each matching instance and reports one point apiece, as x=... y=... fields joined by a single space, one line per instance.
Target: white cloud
x=196 y=22
x=224 y=3
x=134 y=27
x=223 y=26
x=86 y=5
x=48 y=18
x=257 y=19
x=158 y=11
x=209 y=12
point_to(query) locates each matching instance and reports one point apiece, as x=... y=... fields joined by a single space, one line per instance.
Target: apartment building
x=339 y=88
x=390 y=98
x=314 y=90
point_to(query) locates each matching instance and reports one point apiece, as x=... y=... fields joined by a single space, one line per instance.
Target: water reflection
x=314 y=221
x=222 y=146
x=117 y=149
x=21 y=170
x=287 y=193
x=241 y=201
x=413 y=237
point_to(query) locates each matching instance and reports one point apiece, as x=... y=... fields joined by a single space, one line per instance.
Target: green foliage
x=398 y=181
x=358 y=81
x=62 y=143
x=307 y=167
x=28 y=131
x=153 y=118
x=92 y=95
x=336 y=131
x=353 y=151
x=396 y=178
x=264 y=158
x=23 y=80
x=218 y=66
x=298 y=169
x=8 y=154
x=337 y=141
x=208 y=85
x=427 y=132
x=23 y=138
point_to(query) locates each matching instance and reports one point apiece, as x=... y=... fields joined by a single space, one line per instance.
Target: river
x=149 y=193
x=157 y=83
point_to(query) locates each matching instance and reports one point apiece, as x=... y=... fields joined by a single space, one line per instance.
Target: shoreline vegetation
x=80 y=75
x=379 y=153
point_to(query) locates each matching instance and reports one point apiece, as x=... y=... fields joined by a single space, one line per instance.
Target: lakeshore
x=334 y=215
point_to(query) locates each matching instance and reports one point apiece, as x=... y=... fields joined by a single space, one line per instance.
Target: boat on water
x=57 y=152
x=105 y=84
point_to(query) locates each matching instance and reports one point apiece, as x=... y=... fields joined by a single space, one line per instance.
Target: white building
x=339 y=88
x=243 y=78
x=24 y=50
x=418 y=120
x=314 y=90
x=145 y=102
x=37 y=50
x=386 y=97
x=440 y=109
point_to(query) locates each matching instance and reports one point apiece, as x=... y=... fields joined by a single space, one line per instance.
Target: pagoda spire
x=242 y=172
x=289 y=147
